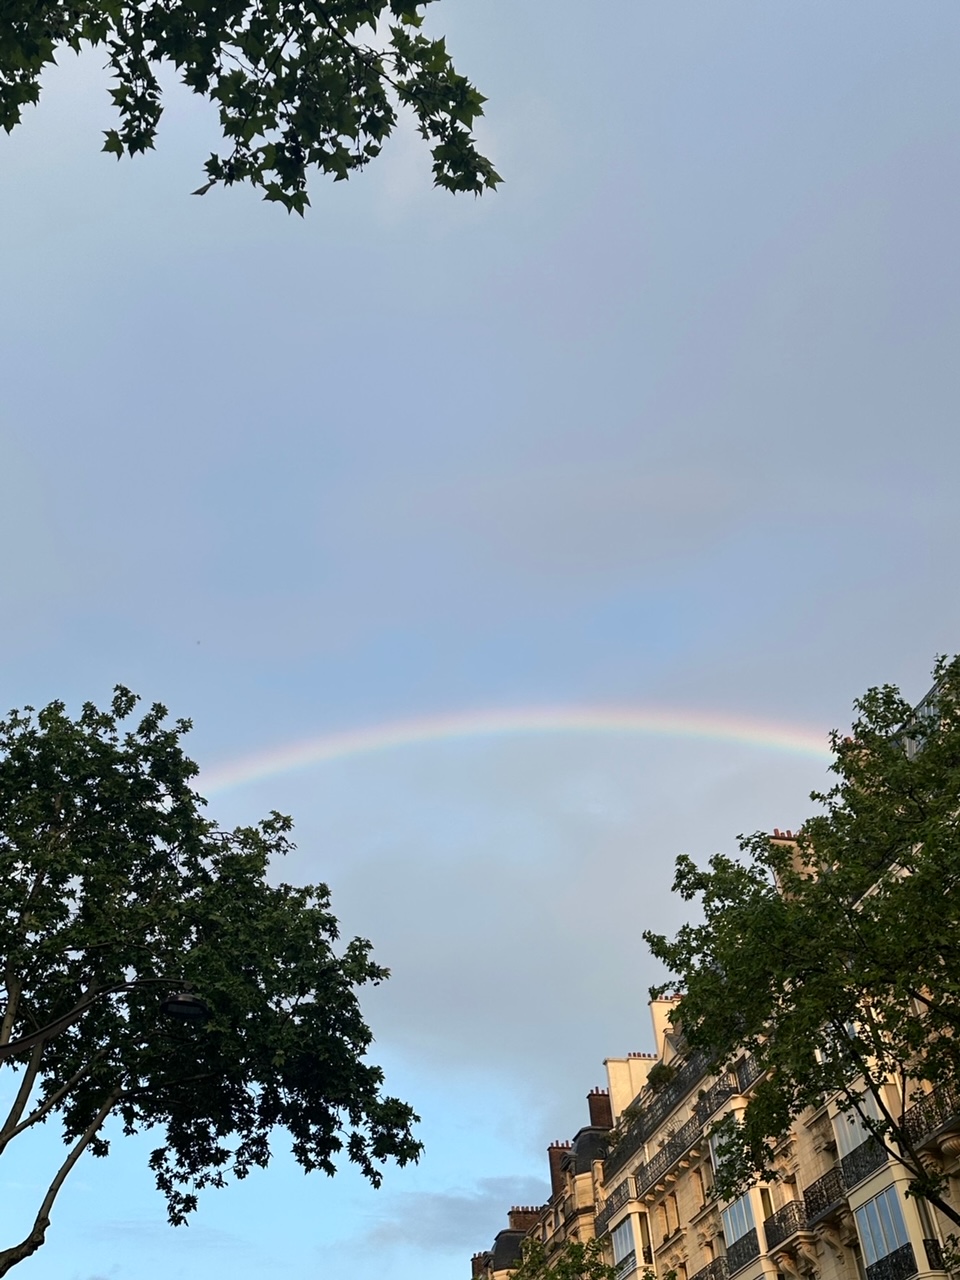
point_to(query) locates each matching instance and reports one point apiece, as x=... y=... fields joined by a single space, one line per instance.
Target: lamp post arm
x=14 y=1047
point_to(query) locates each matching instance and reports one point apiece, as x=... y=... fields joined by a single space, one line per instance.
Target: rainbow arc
x=517 y=722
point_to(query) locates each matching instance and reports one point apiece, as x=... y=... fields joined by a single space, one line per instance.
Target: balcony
x=862 y=1161
x=715 y=1270
x=625 y=1150
x=615 y=1200
x=655 y=1111
x=627 y=1265
x=671 y=1153
x=716 y=1096
x=934 y=1252
x=899 y=1265
x=823 y=1197
x=748 y=1071
x=937 y=1111
x=745 y=1250
x=786 y=1222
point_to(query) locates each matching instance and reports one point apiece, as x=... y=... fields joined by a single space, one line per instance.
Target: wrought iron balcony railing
x=625 y=1150
x=723 y=1088
x=669 y=1154
x=934 y=1252
x=748 y=1071
x=715 y=1270
x=627 y=1265
x=899 y=1265
x=825 y=1195
x=671 y=1095
x=934 y=1112
x=615 y=1200
x=862 y=1161
x=743 y=1251
x=787 y=1221
x=656 y=1110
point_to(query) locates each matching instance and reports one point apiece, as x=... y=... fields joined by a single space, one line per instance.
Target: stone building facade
x=640 y=1177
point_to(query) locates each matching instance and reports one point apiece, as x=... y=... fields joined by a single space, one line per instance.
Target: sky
x=668 y=423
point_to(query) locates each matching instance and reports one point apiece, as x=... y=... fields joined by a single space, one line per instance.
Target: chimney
x=601 y=1113
x=555 y=1153
x=523 y=1217
x=478 y=1264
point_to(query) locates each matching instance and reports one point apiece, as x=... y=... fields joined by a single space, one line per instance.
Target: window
x=699 y=1188
x=737 y=1219
x=715 y=1141
x=850 y=1130
x=644 y=1232
x=673 y=1213
x=881 y=1226
x=621 y=1238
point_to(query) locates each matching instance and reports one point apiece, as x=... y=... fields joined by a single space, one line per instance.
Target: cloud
x=461 y=1220
x=153 y=1232
x=507 y=886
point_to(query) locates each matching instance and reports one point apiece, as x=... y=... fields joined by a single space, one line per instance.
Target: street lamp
x=186 y=1007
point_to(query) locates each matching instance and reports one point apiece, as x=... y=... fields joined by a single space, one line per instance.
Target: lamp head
x=186 y=1007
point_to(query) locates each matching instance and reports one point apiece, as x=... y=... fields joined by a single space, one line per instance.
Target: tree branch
x=14 y=1047
x=23 y=1096
x=32 y=1242
x=14 y=987
x=11 y=1130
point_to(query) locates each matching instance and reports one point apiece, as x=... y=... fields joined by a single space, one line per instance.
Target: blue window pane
x=622 y=1240
x=881 y=1225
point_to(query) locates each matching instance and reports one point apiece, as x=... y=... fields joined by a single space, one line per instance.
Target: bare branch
x=32 y=1242
x=14 y=988
x=23 y=1096
x=10 y=1131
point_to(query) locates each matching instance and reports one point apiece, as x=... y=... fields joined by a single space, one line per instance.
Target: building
x=576 y=1171
x=640 y=1177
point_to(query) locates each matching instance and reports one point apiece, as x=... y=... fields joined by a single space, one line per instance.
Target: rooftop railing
x=653 y=1112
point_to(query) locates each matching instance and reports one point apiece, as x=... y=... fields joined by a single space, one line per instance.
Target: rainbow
x=515 y=722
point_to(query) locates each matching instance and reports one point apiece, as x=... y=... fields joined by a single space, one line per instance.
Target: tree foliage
x=299 y=84
x=573 y=1260
x=116 y=891
x=836 y=960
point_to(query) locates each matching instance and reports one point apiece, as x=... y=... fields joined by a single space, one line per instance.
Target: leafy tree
x=300 y=84
x=835 y=960
x=573 y=1260
x=117 y=892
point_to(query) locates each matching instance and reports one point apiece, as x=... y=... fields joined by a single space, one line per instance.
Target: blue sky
x=670 y=419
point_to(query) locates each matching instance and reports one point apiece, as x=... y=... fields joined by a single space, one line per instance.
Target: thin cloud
x=444 y=1221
